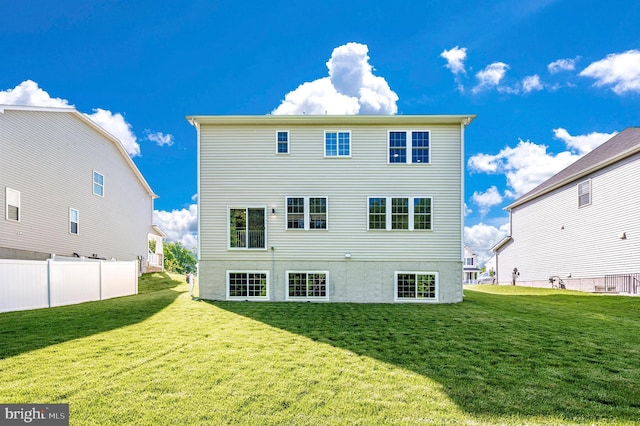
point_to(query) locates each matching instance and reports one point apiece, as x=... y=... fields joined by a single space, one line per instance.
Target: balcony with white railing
x=255 y=239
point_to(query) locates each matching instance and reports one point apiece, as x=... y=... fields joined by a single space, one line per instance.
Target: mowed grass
x=504 y=356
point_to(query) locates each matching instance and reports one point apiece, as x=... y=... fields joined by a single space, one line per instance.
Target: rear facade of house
x=580 y=228
x=68 y=188
x=330 y=208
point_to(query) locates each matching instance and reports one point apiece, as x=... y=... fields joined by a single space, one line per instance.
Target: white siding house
x=68 y=188
x=330 y=208
x=471 y=268
x=581 y=225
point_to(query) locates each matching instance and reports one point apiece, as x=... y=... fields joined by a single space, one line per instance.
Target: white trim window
x=12 y=208
x=415 y=286
x=308 y=285
x=247 y=228
x=282 y=142
x=337 y=144
x=248 y=285
x=584 y=193
x=98 y=184
x=400 y=213
x=74 y=221
x=308 y=213
x=403 y=152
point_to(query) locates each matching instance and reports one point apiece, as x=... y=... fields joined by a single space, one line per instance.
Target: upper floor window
x=306 y=213
x=396 y=213
x=409 y=147
x=74 y=221
x=98 y=184
x=247 y=228
x=584 y=193
x=282 y=142
x=337 y=144
x=12 y=204
x=468 y=261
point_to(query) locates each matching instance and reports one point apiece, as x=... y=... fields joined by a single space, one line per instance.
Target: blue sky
x=548 y=79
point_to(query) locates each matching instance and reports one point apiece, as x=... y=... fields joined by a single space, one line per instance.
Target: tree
x=178 y=259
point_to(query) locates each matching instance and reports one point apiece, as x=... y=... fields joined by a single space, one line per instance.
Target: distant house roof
x=94 y=126
x=619 y=147
x=330 y=119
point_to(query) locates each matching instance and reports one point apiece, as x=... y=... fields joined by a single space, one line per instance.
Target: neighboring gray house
x=69 y=188
x=331 y=208
x=580 y=225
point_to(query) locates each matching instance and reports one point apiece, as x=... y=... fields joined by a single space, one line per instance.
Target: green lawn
x=505 y=356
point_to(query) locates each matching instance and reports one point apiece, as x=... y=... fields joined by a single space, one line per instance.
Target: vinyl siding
x=239 y=167
x=50 y=158
x=589 y=246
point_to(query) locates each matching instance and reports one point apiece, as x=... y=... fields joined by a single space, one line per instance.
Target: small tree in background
x=178 y=259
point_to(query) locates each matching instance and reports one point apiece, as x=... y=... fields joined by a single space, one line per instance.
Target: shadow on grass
x=24 y=331
x=564 y=357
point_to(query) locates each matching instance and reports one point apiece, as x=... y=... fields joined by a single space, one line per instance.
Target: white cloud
x=455 y=59
x=491 y=76
x=531 y=83
x=159 y=138
x=485 y=200
x=117 y=126
x=481 y=237
x=29 y=94
x=179 y=225
x=350 y=88
x=562 y=65
x=529 y=164
x=525 y=166
x=621 y=71
x=582 y=143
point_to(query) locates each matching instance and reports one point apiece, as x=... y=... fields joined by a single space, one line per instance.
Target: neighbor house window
x=306 y=213
x=337 y=144
x=416 y=286
x=307 y=285
x=282 y=142
x=98 y=184
x=12 y=209
x=74 y=221
x=247 y=228
x=247 y=285
x=409 y=147
x=399 y=213
x=584 y=193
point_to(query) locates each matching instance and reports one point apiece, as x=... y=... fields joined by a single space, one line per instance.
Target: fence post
x=49 y=283
x=100 y=277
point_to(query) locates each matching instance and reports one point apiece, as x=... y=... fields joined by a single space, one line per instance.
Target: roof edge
x=465 y=119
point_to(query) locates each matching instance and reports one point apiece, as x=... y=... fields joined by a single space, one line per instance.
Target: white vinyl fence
x=27 y=284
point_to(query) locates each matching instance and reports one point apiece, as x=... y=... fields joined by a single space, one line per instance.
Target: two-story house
x=580 y=226
x=331 y=208
x=471 y=268
x=69 y=188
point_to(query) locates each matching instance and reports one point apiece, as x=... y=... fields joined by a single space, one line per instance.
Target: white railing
x=256 y=239
x=30 y=284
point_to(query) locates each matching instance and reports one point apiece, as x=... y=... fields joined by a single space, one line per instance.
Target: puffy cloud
x=481 y=237
x=179 y=225
x=28 y=93
x=455 y=59
x=491 y=76
x=621 y=71
x=528 y=164
x=582 y=143
x=525 y=166
x=531 y=83
x=485 y=200
x=117 y=126
x=562 y=65
x=350 y=88
x=159 y=138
